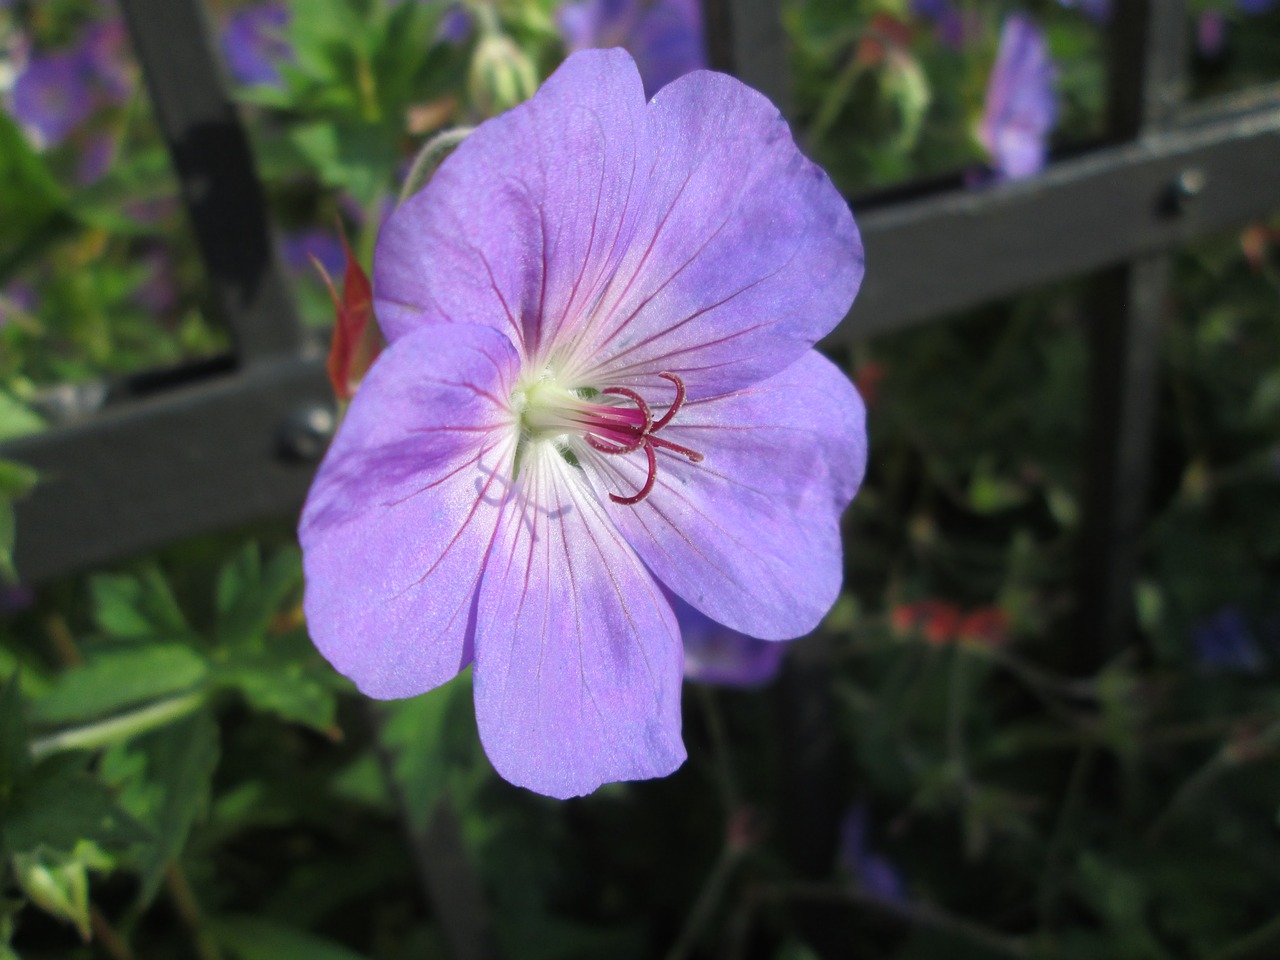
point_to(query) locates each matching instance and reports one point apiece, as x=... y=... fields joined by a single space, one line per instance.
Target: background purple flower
x=58 y=91
x=1211 y=33
x=956 y=28
x=1225 y=642
x=1021 y=107
x=53 y=96
x=325 y=245
x=717 y=655
x=254 y=44
x=1099 y=11
x=1255 y=6
x=456 y=25
x=664 y=36
x=874 y=873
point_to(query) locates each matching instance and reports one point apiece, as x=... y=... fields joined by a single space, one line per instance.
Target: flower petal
x=523 y=224
x=745 y=254
x=578 y=657
x=404 y=509
x=751 y=535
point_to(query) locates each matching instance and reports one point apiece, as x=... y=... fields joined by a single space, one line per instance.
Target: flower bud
x=501 y=74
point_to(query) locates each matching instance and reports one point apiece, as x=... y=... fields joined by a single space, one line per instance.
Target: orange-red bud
x=357 y=341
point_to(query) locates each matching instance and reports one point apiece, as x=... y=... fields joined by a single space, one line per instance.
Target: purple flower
x=664 y=36
x=456 y=25
x=254 y=45
x=158 y=293
x=325 y=245
x=1021 y=107
x=717 y=655
x=956 y=28
x=873 y=872
x=15 y=299
x=53 y=96
x=1099 y=11
x=1224 y=642
x=599 y=382
x=59 y=91
x=15 y=598
x=1211 y=34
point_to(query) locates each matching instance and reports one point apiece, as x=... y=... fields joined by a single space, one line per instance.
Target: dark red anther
x=643 y=436
x=675 y=406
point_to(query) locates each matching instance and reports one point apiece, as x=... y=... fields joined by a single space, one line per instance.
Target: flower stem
x=184 y=902
x=121 y=727
x=707 y=900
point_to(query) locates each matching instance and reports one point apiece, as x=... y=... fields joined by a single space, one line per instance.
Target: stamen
x=648 y=481
x=638 y=436
x=675 y=407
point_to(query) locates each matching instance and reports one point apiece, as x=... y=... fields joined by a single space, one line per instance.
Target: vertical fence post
x=745 y=38
x=1147 y=63
x=215 y=166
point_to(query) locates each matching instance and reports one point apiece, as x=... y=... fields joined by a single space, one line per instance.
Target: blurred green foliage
x=181 y=774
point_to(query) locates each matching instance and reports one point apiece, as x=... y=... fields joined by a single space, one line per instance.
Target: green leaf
x=253 y=938
x=15 y=755
x=32 y=197
x=286 y=678
x=350 y=156
x=432 y=738
x=8 y=532
x=166 y=782
x=16 y=420
x=16 y=479
x=991 y=493
x=115 y=679
x=58 y=882
x=138 y=607
x=249 y=596
x=61 y=804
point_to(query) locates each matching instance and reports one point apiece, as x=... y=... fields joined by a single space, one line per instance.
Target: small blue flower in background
x=875 y=873
x=254 y=45
x=321 y=243
x=956 y=28
x=58 y=91
x=715 y=654
x=1021 y=106
x=1255 y=6
x=1225 y=642
x=1099 y=11
x=665 y=37
x=1211 y=34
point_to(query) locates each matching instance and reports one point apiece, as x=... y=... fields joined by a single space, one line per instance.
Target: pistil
x=616 y=430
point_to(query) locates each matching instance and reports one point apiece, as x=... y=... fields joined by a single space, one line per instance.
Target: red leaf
x=356 y=340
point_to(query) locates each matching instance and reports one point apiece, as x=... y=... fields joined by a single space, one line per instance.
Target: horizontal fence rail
x=237 y=443
x=204 y=457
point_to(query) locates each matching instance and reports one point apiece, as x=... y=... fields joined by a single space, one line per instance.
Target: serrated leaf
x=350 y=156
x=15 y=754
x=432 y=738
x=253 y=938
x=8 y=531
x=166 y=782
x=991 y=493
x=138 y=607
x=249 y=596
x=60 y=804
x=288 y=679
x=32 y=196
x=115 y=679
x=16 y=479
